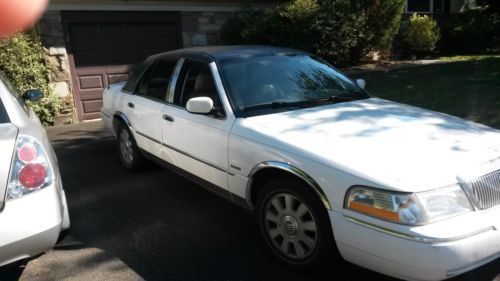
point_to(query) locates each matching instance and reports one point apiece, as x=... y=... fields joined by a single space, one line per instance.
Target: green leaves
x=341 y=31
x=420 y=34
x=22 y=59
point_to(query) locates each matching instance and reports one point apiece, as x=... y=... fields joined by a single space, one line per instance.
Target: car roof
x=212 y=53
x=224 y=52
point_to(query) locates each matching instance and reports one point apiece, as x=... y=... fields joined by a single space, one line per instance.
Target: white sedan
x=327 y=169
x=33 y=210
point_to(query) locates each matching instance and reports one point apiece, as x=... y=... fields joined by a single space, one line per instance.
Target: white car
x=404 y=191
x=33 y=210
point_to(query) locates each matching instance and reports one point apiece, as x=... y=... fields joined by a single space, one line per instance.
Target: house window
x=419 y=6
x=428 y=6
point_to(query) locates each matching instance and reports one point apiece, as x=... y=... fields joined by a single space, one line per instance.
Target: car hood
x=396 y=146
x=7 y=143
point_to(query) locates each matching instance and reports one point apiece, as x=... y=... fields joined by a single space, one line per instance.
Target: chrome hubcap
x=126 y=147
x=290 y=226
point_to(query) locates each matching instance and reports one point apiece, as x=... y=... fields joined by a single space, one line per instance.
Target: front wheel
x=295 y=224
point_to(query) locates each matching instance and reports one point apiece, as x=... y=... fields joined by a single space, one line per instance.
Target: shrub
x=475 y=31
x=419 y=34
x=342 y=31
x=22 y=59
x=287 y=25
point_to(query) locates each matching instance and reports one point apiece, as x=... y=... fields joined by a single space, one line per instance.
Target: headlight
x=408 y=208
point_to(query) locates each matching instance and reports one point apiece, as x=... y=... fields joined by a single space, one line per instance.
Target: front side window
x=285 y=81
x=196 y=80
x=3 y=115
x=154 y=82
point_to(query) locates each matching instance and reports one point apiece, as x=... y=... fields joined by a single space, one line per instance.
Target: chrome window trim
x=220 y=89
x=415 y=238
x=290 y=169
x=173 y=81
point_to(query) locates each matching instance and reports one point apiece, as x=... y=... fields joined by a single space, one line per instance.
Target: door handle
x=131 y=105
x=168 y=118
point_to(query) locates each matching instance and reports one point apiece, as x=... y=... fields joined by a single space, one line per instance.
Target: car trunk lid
x=7 y=144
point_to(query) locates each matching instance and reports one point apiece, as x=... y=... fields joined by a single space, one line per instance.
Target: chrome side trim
x=105 y=114
x=414 y=238
x=148 y=137
x=195 y=158
x=290 y=169
x=235 y=167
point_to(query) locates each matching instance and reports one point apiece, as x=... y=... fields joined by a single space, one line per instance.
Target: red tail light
x=27 y=152
x=32 y=175
x=30 y=168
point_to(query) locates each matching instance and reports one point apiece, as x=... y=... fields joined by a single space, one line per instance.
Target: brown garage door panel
x=117 y=73
x=92 y=105
x=103 y=45
x=91 y=82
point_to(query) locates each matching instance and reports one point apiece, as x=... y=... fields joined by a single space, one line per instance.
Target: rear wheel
x=295 y=224
x=130 y=155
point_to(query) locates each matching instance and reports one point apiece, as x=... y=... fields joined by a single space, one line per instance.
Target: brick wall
x=202 y=28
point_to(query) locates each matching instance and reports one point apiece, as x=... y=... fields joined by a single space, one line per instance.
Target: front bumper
x=31 y=224
x=435 y=252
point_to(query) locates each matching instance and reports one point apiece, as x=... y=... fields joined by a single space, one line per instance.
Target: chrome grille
x=485 y=190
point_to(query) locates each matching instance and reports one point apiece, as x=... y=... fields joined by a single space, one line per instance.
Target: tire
x=295 y=225
x=128 y=151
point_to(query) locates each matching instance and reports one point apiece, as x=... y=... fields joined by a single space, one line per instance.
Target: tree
x=342 y=31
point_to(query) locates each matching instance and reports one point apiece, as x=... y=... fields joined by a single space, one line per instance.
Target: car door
x=144 y=107
x=198 y=143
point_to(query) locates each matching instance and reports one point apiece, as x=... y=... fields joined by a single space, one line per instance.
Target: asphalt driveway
x=155 y=225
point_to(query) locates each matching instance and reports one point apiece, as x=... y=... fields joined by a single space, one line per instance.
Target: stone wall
x=51 y=32
x=202 y=28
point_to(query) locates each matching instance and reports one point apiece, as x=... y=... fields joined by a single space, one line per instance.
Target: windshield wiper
x=276 y=104
x=333 y=99
x=300 y=104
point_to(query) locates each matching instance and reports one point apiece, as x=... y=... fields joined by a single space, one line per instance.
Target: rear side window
x=3 y=114
x=154 y=82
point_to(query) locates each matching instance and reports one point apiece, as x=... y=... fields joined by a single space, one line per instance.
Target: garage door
x=103 y=45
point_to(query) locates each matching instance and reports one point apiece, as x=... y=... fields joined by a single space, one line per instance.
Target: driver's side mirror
x=361 y=83
x=33 y=95
x=200 y=105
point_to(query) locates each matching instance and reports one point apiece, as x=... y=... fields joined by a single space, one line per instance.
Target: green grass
x=468 y=89
x=467 y=58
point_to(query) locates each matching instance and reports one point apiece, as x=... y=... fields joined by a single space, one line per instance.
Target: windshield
x=285 y=81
